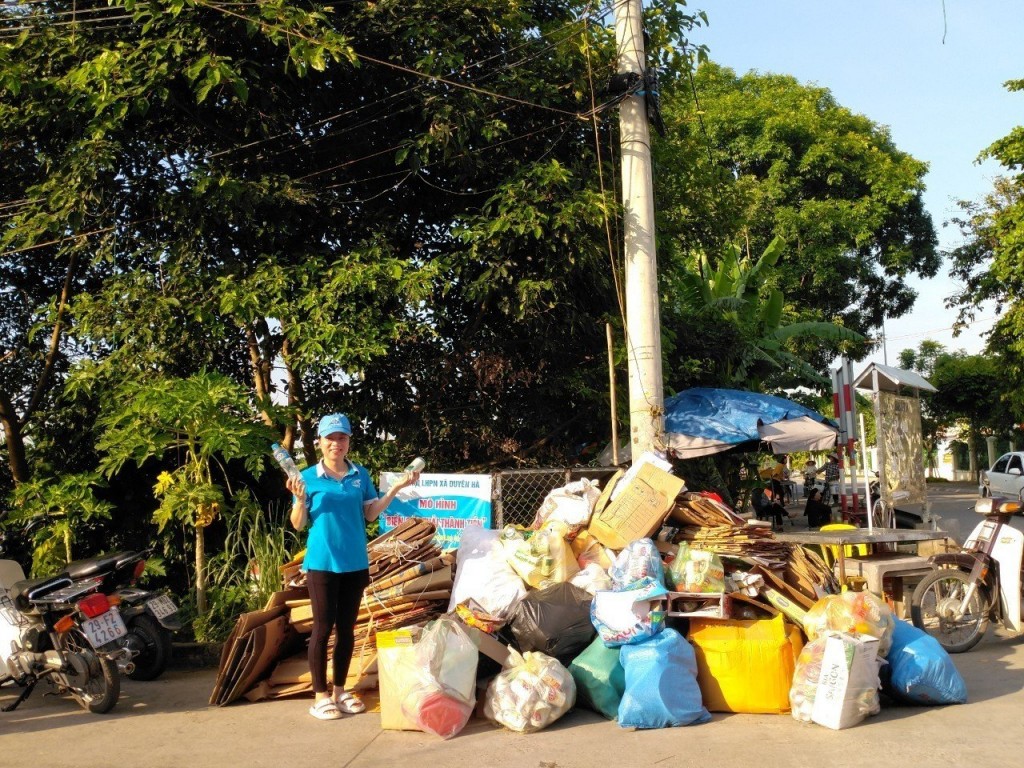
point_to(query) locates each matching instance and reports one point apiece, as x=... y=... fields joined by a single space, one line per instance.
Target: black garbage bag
x=554 y=620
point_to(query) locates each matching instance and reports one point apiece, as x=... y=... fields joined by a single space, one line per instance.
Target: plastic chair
x=830 y=552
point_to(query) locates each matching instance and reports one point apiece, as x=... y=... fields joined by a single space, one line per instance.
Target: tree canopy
x=753 y=157
x=402 y=210
x=990 y=264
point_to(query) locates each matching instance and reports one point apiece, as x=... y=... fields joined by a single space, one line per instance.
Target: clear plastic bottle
x=285 y=460
x=416 y=465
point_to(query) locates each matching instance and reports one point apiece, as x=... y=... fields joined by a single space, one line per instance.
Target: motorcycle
x=150 y=618
x=979 y=584
x=62 y=631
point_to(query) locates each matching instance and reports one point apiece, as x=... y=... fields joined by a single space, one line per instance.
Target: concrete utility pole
x=643 y=324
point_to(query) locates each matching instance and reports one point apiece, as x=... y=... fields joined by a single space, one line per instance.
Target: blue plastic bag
x=920 y=671
x=661 y=684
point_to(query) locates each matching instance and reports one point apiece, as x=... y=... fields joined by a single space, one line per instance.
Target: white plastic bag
x=531 y=693
x=483 y=574
x=571 y=504
x=442 y=698
x=593 y=578
x=836 y=680
x=637 y=566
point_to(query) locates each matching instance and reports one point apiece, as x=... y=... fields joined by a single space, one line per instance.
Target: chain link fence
x=516 y=494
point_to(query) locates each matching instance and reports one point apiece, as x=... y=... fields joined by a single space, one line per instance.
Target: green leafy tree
x=990 y=264
x=763 y=156
x=195 y=425
x=379 y=201
x=969 y=394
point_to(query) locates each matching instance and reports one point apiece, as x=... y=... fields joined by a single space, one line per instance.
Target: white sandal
x=349 y=703
x=325 y=709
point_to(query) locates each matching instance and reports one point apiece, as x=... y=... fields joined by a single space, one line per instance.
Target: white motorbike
x=979 y=584
x=61 y=631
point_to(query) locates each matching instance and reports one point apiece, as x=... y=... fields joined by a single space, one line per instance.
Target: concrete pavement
x=167 y=723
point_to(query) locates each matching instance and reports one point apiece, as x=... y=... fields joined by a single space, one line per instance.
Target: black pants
x=335 y=601
x=772 y=510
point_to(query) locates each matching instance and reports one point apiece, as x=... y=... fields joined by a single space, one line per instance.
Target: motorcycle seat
x=21 y=590
x=92 y=566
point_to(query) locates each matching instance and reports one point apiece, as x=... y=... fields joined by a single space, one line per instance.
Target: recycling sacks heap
x=640 y=601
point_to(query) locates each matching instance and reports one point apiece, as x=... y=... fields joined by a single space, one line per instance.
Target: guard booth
x=896 y=397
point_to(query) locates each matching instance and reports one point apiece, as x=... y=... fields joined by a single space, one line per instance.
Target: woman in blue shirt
x=337 y=498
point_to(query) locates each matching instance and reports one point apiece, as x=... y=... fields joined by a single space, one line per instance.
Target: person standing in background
x=778 y=477
x=832 y=478
x=810 y=473
x=337 y=498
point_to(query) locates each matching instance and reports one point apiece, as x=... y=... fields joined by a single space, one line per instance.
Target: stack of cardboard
x=697 y=510
x=410 y=584
x=753 y=543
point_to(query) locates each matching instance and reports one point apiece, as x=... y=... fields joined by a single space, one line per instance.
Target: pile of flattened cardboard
x=265 y=656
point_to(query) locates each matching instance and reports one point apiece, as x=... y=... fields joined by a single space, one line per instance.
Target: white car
x=1006 y=478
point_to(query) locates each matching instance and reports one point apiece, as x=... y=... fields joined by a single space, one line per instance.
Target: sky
x=930 y=70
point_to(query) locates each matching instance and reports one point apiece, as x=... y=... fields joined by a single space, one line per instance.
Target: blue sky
x=944 y=102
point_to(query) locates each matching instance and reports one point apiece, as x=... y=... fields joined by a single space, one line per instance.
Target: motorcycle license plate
x=105 y=628
x=161 y=606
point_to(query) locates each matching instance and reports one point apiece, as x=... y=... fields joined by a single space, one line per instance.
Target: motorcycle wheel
x=937 y=597
x=96 y=684
x=153 y=644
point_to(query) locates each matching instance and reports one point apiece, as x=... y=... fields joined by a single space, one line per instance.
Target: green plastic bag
x=600 y=679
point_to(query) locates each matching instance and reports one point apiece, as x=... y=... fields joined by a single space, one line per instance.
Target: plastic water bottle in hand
x=416 y=465
x=285 y=460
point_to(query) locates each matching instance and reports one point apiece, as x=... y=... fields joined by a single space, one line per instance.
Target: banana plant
x=739 y=290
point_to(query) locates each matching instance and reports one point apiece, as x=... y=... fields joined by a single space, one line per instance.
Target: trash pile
x=650 y=605
x=265 y=656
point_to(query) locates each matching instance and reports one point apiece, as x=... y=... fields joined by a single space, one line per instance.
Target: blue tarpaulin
x=703 y=421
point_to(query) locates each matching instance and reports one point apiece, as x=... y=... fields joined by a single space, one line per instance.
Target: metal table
x=842 y=539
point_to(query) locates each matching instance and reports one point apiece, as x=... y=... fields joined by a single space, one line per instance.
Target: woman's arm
x=373 y=508
x=300 y=513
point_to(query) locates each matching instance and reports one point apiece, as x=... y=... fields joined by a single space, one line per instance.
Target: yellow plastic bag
x=858 y=613
x=745 y=666
x=543 y=559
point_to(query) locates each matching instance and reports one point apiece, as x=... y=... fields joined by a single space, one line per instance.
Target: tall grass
x=247 y=572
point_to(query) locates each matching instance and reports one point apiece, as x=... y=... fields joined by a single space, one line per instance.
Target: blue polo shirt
x=337 y=538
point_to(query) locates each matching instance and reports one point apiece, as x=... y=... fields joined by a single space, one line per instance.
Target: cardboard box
x=638 y=510
x=606 y=494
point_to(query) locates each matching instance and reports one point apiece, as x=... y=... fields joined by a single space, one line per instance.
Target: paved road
x=952 y=503
x=168 y=723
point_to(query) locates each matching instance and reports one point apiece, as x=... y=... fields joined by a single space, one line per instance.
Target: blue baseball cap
x=335 y=422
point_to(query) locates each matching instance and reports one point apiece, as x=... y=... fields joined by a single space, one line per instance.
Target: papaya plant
x=194 y=425
x=55 y=511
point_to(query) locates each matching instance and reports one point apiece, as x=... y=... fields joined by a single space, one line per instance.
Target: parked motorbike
x=62 y=631
x=979 y=584
x=150 y=617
